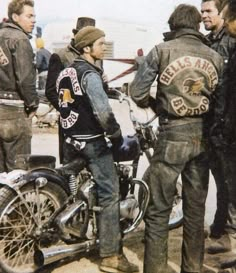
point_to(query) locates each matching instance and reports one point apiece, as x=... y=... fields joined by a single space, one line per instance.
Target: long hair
x=16 y=6
x=185 y=16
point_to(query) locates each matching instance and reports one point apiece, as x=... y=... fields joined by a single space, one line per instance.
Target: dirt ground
x=134 y=250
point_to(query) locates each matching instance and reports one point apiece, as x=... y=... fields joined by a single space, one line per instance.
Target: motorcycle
x=48 y=213
x=46 y=115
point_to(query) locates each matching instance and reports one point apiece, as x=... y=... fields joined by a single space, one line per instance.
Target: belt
x=79 y=144
x=9 y=95
x=174 y=121
x=19 y=103
x=88 y=139
x=43 y=73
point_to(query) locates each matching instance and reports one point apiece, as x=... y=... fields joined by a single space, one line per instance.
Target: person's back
x=188 y=73
x=42 y=63
x=193 y=61
x=58 y=61
x=42 y=57
x=62 y=59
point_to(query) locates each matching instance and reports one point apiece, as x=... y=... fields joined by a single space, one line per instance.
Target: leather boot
x=224 y=244
x=228 y=270
x=117 y=263
x=216 y=231
x=228 y=262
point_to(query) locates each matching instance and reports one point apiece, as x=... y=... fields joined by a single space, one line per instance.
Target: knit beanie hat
x=87 y=36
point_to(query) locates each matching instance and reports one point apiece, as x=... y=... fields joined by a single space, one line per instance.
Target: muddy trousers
x=15 y=136
x=180 y=150
x=219 y=169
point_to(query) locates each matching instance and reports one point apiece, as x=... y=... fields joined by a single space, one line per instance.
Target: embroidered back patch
x=3 y=58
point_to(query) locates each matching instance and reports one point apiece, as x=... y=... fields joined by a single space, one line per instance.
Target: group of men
x=194 y=101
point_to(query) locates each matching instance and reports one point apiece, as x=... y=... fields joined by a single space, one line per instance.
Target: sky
x=136 y=11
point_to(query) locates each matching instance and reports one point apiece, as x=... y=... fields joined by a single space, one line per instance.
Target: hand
x=127 y=150
x=104 y=78
x=129 y=144
x=32 y=114
x=31 y=111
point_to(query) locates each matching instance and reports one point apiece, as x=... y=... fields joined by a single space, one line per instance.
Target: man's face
x=98 y=49
x=211 y=17
x=26 y=20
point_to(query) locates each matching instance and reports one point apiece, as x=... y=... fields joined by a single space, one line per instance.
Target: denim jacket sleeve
x=100 y=104
x=144 y=78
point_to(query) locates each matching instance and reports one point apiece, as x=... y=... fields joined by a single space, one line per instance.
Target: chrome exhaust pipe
x=66 y=215
x=49 y=255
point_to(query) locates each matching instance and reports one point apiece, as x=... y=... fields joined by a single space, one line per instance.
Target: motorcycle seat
x=28 y=162
x=73 y=167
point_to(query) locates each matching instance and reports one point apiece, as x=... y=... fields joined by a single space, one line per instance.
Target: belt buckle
x=77 y=144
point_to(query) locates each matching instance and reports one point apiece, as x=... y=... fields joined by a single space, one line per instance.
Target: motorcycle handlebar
x=118 y=95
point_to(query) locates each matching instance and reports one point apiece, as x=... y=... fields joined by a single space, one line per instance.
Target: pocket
x=172 y=152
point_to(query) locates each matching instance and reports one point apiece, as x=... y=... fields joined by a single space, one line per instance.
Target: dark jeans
x=15 y=136
x=219 y=166
x=231 y=184
x=180 y=150
x=101 y=164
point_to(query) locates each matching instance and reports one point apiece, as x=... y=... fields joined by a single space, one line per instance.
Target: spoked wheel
x=133 y=207
x=176 y=216
x=21 y=220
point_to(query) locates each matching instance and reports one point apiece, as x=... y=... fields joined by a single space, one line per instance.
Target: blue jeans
x=101 y=164
x=181 y=150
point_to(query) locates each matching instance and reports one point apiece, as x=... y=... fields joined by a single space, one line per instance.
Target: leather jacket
x=222 y=43
x=225 y=45
x=187 y=73
x=17 y=69
x=229 y=126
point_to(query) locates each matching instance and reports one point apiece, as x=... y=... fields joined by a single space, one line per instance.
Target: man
x=222 y=43
x=187 y=73
x=86 y=118
x=57 y=63
x=229 y=143
x=42 y=62
x=18 y=97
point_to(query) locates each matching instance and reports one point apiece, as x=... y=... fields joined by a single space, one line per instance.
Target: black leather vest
x=77 y=117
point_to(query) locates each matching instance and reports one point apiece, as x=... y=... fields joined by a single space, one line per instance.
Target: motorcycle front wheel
x=22 y=217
